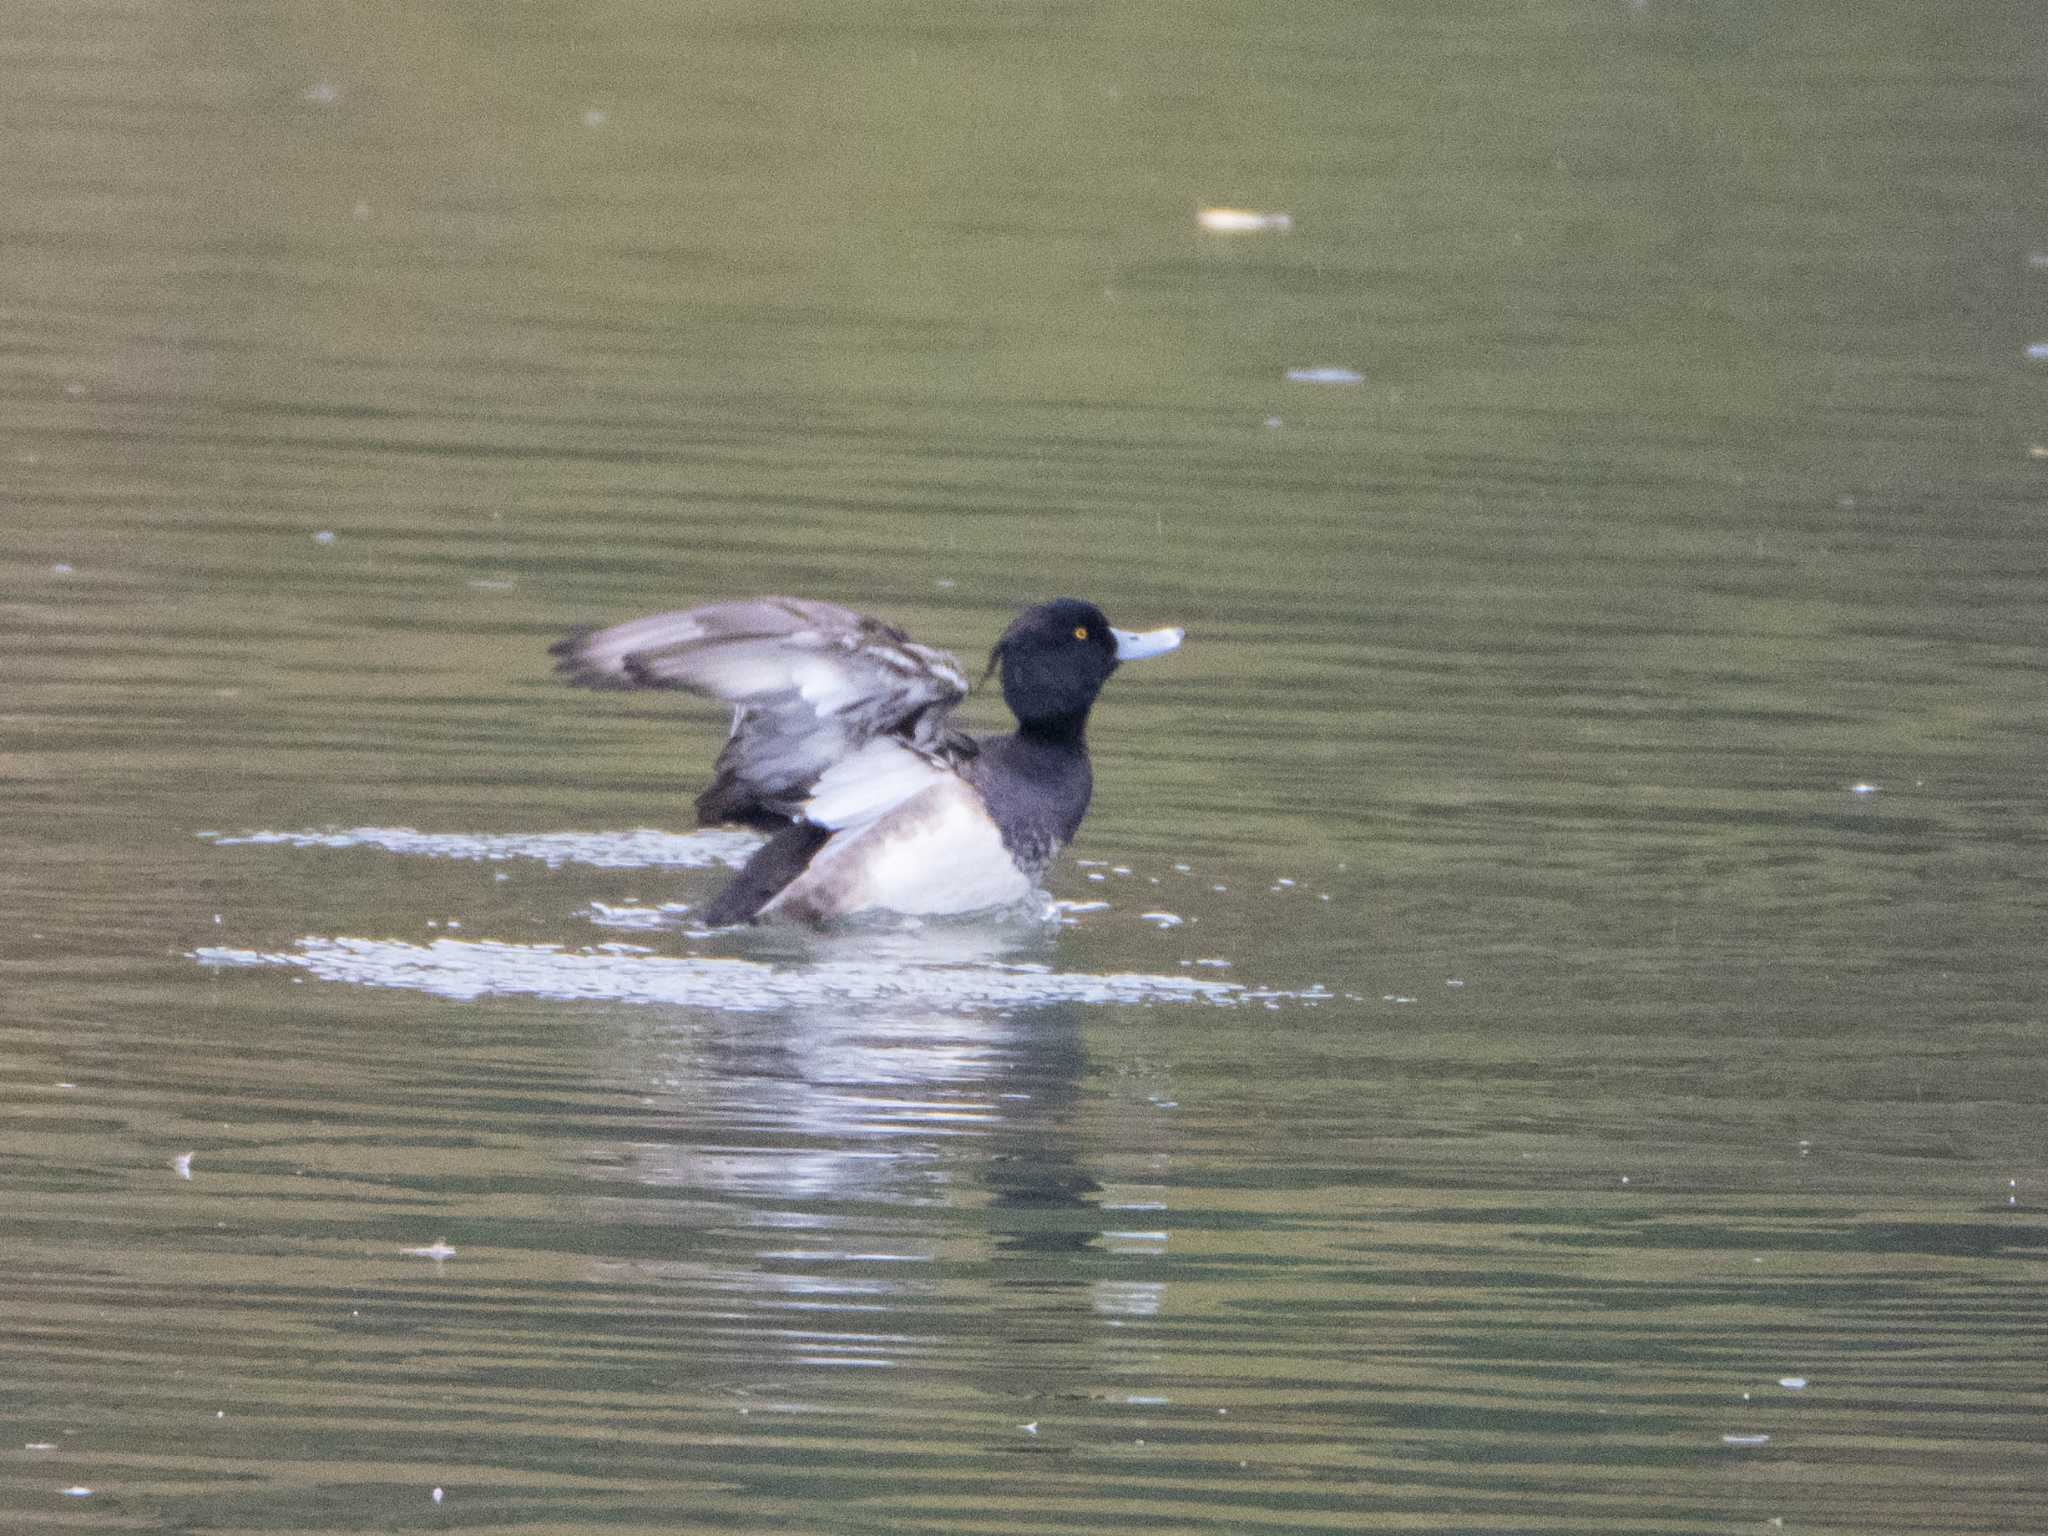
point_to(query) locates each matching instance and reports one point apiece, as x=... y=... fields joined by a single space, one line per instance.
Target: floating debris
x=1324 y=376
x=1243 y=221
x=437 y=1250
x=182 y=1165
x=1745 y=1439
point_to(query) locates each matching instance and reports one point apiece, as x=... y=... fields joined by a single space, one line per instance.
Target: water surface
x=1541 y=1029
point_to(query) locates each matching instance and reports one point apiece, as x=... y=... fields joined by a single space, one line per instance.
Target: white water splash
x=467 y=969
x=643 y=848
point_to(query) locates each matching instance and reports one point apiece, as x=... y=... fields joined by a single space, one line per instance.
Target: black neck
x=1068 y=732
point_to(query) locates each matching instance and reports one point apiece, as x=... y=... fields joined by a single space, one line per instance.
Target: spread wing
x=810 y=684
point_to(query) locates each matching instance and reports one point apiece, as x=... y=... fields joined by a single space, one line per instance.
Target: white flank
x=939 y=853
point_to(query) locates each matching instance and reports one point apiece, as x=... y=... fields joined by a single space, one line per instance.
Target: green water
x=1553 y=959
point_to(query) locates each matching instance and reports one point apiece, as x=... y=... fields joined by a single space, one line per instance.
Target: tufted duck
x=843 y=749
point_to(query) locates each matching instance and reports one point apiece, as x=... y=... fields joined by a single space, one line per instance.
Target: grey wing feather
x=809 y=683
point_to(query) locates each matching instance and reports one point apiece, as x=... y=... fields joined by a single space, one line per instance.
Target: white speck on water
x=1453 y=982
x=2037 y=350
x=1121 y=869
x=1395 y=997
x=61 y=568
x=945 y=583
x=1214 y=963
x=596 y=118
x=40 y=1445
x=1745 y=1439
x=1792 y=1383
x=78 y=1493
x=1163 y=919
x=1219 y=889
x=1096 y=874
x=1069 y=908
x=439 y=1495
x=1272 y=423
x=182 y=1165
x=1324 y=376
x=322 y=93
x=1862 y=789
x=1031 y=1428
x=437 y=1250
x=1624 y=1178
x=324 y=536
x=1282 y=881
x=1183 y=869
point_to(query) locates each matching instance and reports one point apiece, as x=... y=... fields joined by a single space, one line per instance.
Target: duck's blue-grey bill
x=1153 y=642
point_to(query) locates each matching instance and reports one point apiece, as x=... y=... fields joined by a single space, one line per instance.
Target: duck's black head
x=1056 y=657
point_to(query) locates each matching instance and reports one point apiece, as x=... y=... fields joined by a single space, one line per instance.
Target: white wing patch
x=867 y=784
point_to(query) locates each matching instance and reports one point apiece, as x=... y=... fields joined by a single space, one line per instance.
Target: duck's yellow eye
x=1081 y=632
